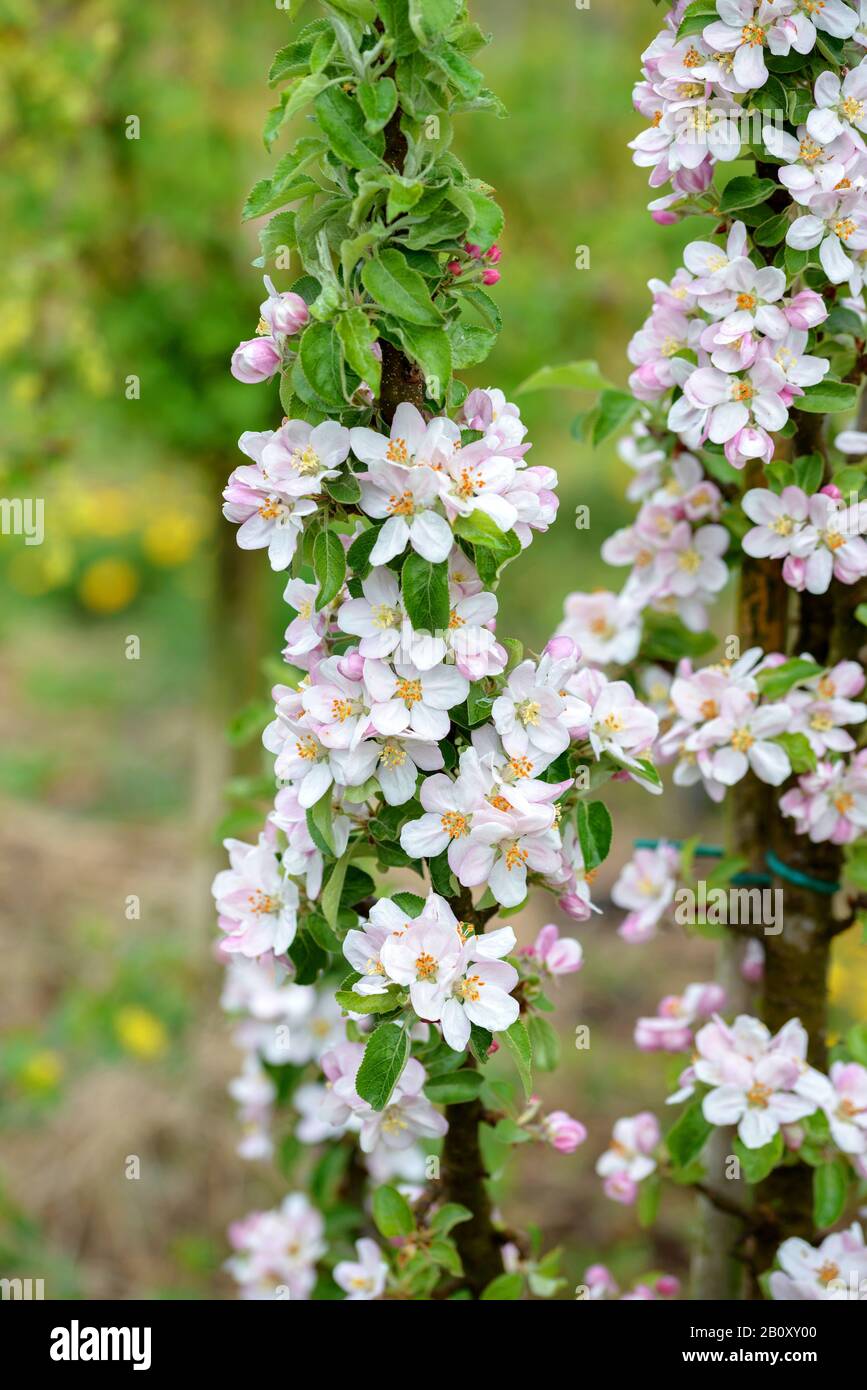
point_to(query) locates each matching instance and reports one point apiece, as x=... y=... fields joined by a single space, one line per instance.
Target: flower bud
x=256 y=360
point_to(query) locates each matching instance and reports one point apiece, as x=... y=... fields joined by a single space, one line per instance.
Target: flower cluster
x=415 y=484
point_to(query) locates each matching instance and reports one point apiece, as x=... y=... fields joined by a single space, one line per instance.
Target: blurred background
x=125 y=258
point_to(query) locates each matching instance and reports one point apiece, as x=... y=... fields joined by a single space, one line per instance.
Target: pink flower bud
x=663 y=218
x=753 y=963
x=574 y=906
x=600 y=1277
x=493 y=254
x=795 y=572
x=621 y=1188
x=454 y=267
x=793 y=1136
x=668 y=1286
x=562 y=1132
x=285 y=313
x=662 y=1035
x=473 y=250
x=832 y=490
x=490 y=276
x=712 y=1000
x=256 y=360
x=351 y=666
x=562 y=649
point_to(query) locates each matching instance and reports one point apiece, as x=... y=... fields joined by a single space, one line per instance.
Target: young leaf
x=384 y=1059
x=430 y=18
x=756 y=1164
x=517 y=1040
x=594 y=832
x=827 y=397
x=425 y=588
x=342 y=120
x=392 y=1214
x=329 y=566
x=830 y=1188
x=746 y=191
x=506 y=1288
x=378 y=101
x=357 y=334
x=688 y=1135
x=775 y=682
x=399 y=289
x=454 y=1088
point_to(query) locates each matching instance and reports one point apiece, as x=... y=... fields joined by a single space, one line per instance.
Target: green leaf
x=571 y=376
x=320 y=823
x=461 y=73
x=480 y=1043
x=688 y=1135
x=330 y=901
x=830 y=1189
x=367 y=1003
x=279 y=232
x=455 y=1088
x=775 y=682
x=357 y=334
x=649 y=1196
x=430 y=18
x=308 y=958
x=479 y=529
x=594 y=832
x=358 y=554
x=545 y=1043
x=827 y=398
x=808 y=470
x=320 y=354
x=517 y=1040
x=431 y=349
x=746 y=191
x=378 y=101
x=385 y=1057
x=470 y=344
x=487 y=224
x=772 y=231
x=800 y=754
x=615 y=409
x=506 y=1288
x=392 y=1213
x=425 y=588
x=346 y=489
x=756 y=1164
x=342 y=120
x=449 y=1216
x=696 y=17
x=291 y=61
x=399 y=289
x=841 y=320
x=329 y=566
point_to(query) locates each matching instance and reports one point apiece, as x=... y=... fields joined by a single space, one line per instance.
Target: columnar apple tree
x=428 y=772
x=745 y=375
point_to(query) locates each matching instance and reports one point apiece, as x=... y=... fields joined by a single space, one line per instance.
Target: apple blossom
x=363 y=1278
x=835 y=1270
